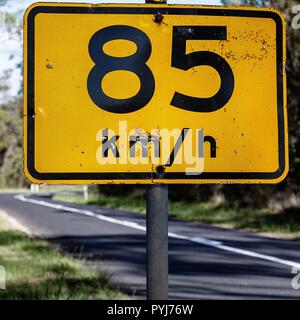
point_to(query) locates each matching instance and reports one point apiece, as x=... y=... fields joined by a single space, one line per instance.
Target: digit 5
x=184 y=61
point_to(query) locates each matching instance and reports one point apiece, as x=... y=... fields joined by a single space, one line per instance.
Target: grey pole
x=157 y=242
x=157 y=235
x=156 y=1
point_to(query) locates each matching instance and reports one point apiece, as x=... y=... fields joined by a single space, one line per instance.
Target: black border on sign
x=151 y=175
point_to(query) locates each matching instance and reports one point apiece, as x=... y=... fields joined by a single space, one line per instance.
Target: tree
x=11 y=137
x=11 y=168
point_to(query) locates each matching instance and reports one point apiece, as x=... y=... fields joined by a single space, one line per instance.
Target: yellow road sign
x=154 y=94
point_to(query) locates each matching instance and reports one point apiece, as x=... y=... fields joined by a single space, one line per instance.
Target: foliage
x=11 y=171
x=11 y=163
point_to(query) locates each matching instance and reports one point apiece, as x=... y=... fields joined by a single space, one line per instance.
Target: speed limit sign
x=154 y=94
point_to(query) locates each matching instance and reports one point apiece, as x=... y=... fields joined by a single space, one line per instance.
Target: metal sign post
x=157 y=236
x=156 y=1
x=157 y=242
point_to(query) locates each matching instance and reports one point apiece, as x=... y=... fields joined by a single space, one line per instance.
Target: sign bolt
x=158 y=18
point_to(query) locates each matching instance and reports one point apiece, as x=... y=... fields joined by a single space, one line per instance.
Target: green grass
x=36 y=270
x=284 y=224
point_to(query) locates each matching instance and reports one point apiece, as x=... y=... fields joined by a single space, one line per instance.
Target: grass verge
x=282 y=225
x=36 y=270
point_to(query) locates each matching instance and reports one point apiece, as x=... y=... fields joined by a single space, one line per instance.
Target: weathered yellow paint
x=67 y=121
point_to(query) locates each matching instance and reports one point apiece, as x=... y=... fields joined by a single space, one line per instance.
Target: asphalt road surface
x=205 y=262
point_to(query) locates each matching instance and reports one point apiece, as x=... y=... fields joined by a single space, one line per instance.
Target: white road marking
x=133 y=225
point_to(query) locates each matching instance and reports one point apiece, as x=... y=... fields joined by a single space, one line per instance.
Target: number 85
x=136 y=63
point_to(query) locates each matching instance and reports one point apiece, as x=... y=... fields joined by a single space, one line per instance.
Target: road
x=206 y=262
